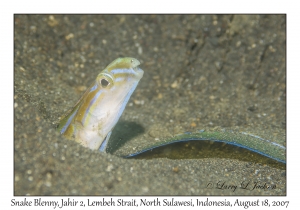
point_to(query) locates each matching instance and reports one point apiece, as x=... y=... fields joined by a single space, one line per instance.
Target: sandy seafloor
x=201 y=72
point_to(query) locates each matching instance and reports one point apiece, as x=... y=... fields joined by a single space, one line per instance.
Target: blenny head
x=93 y=117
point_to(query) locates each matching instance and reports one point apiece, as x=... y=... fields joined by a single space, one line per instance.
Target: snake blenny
x=91 y=121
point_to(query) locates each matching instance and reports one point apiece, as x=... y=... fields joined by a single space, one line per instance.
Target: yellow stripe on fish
x=93 y=117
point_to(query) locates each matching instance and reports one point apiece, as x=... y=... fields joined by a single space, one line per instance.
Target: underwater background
x=201 y=72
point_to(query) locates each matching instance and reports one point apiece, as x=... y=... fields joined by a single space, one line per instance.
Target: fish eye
x=105 y=80
x=104 y=83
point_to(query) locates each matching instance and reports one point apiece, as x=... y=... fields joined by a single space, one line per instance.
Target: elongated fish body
x=93 y=117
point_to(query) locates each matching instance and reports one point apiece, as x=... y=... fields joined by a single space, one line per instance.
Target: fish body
x=93 y=117
x=91 y=120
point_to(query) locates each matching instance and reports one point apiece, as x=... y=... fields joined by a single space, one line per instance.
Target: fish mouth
x=138 y=72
